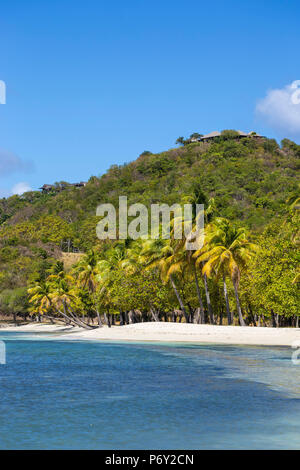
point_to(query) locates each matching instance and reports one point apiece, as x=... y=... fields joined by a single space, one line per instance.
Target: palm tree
x=40 y=297
x=294 y=200
x=226 y=252
x=123 y=255
x=63 y=297
x=195 y=264
x=57 y=268
x=296 y=279
x=186 y=263
x=87 y=273
x=43 y=297
x=130 y=261
x=160 y=253
x=191 y=262
x=181 y=246
x=199 y=198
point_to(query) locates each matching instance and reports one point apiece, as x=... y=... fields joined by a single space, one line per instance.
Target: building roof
x=214 y=134
x=46 y=186
x=211 y=135
x=82 y=183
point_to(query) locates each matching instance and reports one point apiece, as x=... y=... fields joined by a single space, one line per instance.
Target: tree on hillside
x=195 y=136
x=180 y=141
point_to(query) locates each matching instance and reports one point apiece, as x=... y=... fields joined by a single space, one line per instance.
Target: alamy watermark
x=295 y=354
x=2 y=92
x=164 y=222
x=2 y=353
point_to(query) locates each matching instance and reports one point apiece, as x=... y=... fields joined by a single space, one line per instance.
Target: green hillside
x=250 y=181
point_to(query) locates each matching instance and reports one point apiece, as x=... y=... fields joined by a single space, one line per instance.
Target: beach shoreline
x=169 y=332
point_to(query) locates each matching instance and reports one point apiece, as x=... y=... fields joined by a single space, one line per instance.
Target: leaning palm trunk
x=80 y=322
x=74 y=318
x=242 y=323
x=70 y=320
x=202 y=316
x=50 y=318
x=229 y=317
x=179 y=299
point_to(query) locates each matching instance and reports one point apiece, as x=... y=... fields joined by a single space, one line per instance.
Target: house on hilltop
x=210 y=136
x=79 y=185
x=46 y=188
x=239 y=134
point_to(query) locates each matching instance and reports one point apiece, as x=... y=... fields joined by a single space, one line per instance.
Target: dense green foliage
x=249 y=181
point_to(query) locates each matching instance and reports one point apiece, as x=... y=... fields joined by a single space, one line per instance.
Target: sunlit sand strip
x=173 y=332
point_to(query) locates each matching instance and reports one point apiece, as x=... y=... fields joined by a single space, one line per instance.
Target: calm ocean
x=91 y=395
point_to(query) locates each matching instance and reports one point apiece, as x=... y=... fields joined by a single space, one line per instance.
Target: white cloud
x=11 y=163
x=4 y=193
x=20 y=188
x=281 y=108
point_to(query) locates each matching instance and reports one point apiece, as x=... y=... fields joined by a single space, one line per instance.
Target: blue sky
x=94 y=83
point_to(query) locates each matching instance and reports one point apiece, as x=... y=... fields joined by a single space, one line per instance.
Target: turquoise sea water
x=92 y=395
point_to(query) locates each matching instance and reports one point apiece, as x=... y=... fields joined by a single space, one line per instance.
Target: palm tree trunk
x=273 y=319
x=210 y=312
x=179 y=298
x=80 y=322
x=197 y=316
x=221 y=317
x=74 y=318
x=107 y=319
x=97 y=311
x=154 y=314
x=69 y=320
x=99 y=318
x=50 y=318
x=202 y=315
x=191 y=315
x=131 y=316
x=242 y=323
x=227 y=301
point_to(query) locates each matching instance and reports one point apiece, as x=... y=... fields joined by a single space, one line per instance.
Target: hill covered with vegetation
x=247 y=181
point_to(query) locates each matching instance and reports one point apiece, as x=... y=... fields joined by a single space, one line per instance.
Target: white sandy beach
x=172 y=332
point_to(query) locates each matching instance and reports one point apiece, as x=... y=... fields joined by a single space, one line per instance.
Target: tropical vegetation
x=246 y=272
